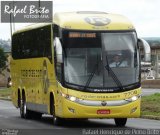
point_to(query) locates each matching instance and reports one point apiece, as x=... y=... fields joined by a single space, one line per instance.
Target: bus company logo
x=26 y=11
x=103 y=103
x=97 y=20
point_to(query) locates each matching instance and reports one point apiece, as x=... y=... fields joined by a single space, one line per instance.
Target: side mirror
x=147 y=49
x=58 y=47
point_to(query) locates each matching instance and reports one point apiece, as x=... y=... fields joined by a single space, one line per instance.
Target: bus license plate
x=103 y=111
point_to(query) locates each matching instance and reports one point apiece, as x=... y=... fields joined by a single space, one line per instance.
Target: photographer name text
x=32 y=10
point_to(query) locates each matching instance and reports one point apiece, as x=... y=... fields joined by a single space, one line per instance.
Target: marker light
x=65 y=95
x=10 y=83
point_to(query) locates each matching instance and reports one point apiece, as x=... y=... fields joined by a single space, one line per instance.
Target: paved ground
x=10 y=119
x=146 y=92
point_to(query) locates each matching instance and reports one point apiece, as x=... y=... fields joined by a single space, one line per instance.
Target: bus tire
x=120 y=122
x=19 y=99
x=56 y=120
x=36 y=115
x=24 y=112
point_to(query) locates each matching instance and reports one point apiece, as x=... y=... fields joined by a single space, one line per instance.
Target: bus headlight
x=71 y=98
x=134 y=98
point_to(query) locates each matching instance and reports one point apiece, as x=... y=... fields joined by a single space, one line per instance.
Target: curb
x=150 y=117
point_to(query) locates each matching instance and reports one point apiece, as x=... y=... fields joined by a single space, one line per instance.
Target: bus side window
x=34 y=43
x=15 y=47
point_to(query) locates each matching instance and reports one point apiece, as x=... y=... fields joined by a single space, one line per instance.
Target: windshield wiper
x=113 y=75
x=132 y=86
x=92 y=74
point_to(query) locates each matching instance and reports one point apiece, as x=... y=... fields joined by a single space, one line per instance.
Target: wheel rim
x=54 y=118
x=25 y=108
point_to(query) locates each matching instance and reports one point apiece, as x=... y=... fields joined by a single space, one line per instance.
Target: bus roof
x=86 y=20
x=92 y=20
x=30 y=27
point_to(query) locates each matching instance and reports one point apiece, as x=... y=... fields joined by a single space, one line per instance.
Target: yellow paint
x=27 y=74
x=82 y=111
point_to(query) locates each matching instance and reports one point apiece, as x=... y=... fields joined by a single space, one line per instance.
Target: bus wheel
x=120 y=122
x=36 y=115
x=56 y=120
x=24 y=112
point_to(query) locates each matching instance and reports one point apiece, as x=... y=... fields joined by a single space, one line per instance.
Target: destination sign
x=81 y=35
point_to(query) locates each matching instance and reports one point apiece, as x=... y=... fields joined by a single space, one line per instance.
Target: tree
x=2 y=60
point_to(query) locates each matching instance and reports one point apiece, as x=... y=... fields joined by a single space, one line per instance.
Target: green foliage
x=151 y=105
x=6 y=92
x=2 y=59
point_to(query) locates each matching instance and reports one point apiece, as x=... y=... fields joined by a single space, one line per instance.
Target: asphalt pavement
x=11 y=122
x=146 y=92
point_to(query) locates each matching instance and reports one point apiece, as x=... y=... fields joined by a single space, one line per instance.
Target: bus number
x=130 y=93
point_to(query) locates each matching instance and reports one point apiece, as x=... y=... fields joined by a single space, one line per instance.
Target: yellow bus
x=68 y=68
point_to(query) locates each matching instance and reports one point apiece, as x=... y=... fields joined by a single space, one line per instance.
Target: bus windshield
x=101 y=61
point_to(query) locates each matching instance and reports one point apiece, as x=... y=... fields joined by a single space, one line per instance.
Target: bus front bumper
x=69 y=109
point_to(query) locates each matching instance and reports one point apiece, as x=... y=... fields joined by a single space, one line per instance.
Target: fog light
x=133 y=110
x=71 y=110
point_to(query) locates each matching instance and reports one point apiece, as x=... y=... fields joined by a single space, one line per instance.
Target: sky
x=144 y=14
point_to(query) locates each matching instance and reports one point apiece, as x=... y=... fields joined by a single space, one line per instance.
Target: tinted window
x=32 y=44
